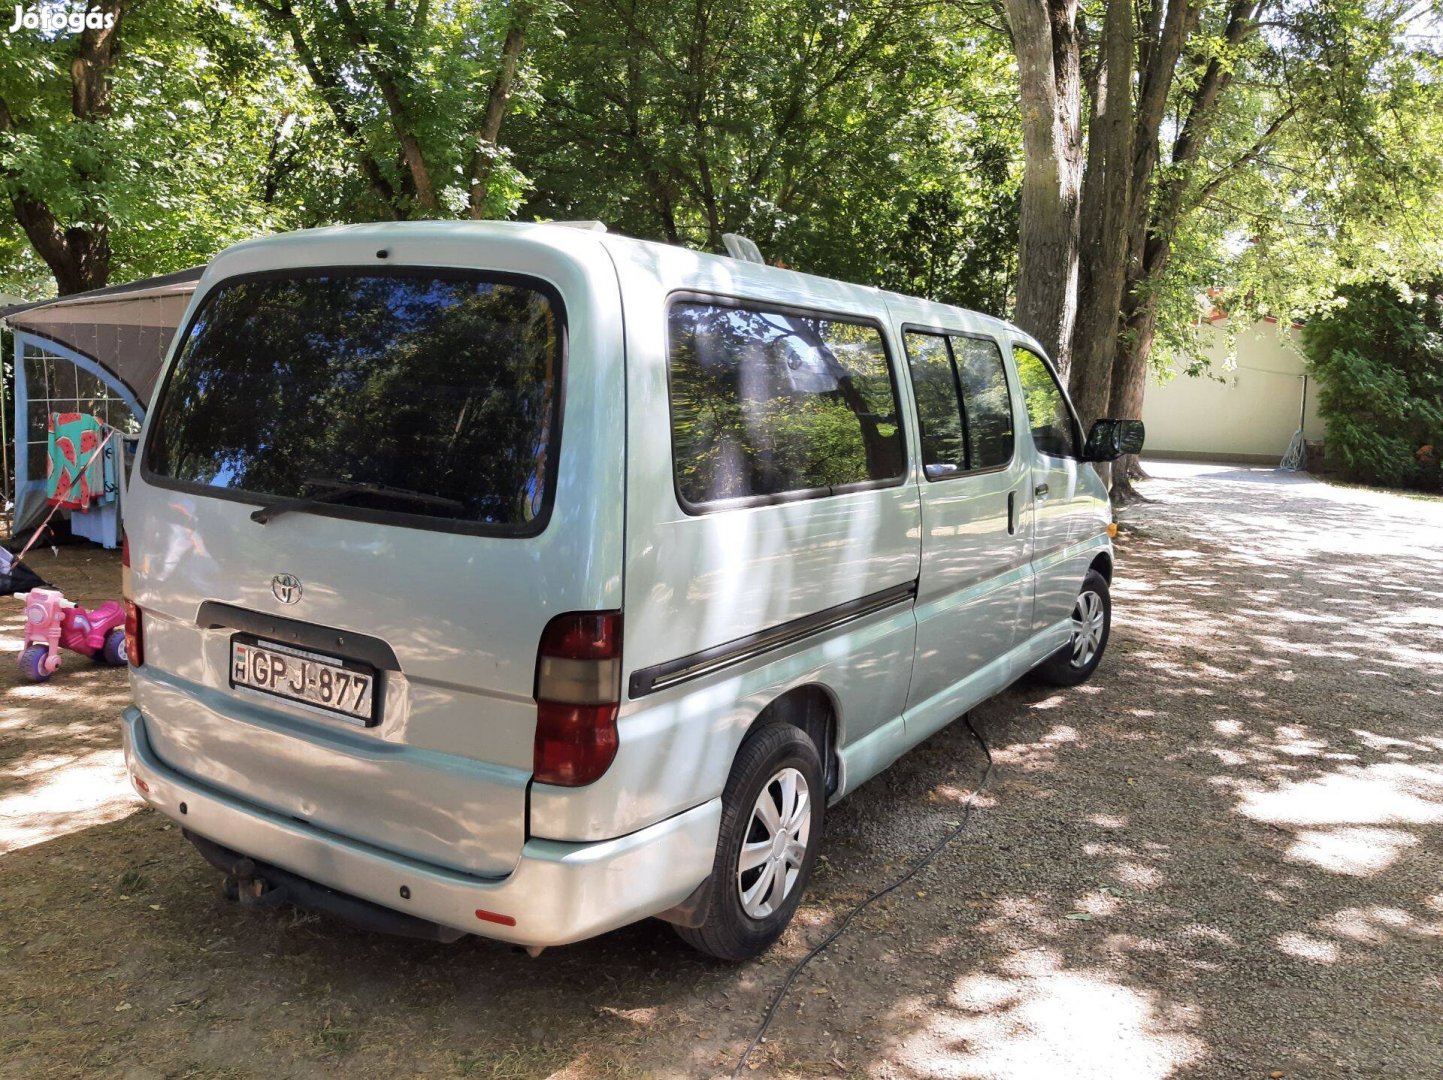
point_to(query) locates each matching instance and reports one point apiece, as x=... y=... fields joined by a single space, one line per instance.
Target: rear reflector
x=134 y=635
x=494 y=916
x=578 y=692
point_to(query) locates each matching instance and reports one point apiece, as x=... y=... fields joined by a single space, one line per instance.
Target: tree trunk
x=1129 y=384
x=1153 y=230
x=1044 y=36
x=483 y=158
x=79 y=258
x=1107 y=208
x=396 y=111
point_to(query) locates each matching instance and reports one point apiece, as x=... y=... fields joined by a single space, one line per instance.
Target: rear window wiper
x=340 y=489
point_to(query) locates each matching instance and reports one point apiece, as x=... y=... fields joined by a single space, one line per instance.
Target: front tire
x=771 y=829
x=33 y=663
x=1075 y=662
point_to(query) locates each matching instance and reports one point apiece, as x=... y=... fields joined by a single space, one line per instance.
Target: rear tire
x=113 y=651
x=1075 y=662
x=772 y=812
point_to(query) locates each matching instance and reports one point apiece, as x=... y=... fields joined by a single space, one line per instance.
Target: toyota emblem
x=287 y=588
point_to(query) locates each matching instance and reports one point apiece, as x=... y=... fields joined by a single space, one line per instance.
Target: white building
x=1245 y=409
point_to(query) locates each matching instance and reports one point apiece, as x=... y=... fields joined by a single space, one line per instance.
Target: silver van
x=527 y=581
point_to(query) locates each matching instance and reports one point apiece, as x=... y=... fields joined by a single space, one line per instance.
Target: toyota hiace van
x=527 y=580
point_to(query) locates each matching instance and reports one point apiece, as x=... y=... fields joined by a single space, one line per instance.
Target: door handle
x=1040 y=490
x=1011 y=513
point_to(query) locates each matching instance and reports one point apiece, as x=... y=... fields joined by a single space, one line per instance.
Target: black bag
x=20 y=578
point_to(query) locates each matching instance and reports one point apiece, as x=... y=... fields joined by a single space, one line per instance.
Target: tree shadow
x=1220 y=857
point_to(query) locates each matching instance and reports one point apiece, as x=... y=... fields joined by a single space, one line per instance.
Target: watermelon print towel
x=76 y=473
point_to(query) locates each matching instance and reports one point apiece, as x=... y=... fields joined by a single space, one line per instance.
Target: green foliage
x=876 y=144
x=404 y=86
x=184 y=158
x=1323 y=167
x=1378 y=355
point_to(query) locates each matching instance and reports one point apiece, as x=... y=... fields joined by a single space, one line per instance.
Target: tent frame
x=22 y=399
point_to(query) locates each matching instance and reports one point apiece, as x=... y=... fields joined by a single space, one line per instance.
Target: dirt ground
x=1221 y=858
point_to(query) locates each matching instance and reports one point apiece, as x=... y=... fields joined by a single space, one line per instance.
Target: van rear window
x=767 y=404
x=429 y=398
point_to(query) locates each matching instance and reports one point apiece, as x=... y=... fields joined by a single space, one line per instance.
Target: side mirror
x=1110 y=439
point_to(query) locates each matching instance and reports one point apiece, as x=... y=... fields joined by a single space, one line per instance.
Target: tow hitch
x=245 y=884
x=258 y=885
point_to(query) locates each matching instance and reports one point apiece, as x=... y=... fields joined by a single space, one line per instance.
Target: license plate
x=340 y=687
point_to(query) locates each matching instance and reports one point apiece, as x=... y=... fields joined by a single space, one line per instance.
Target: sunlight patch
x=1038 y=1020
x=1355 y=851
x=1391 y=793
x=92 y=790
x=1304 y=947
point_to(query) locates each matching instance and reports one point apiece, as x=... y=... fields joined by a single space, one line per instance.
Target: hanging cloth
x=75 y=472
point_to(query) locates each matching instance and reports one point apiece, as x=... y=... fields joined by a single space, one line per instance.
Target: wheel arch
x=1102 y=563
x=813 y=709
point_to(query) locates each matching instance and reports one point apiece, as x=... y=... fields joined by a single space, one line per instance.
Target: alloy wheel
x=775 y=844
x=1089 y=620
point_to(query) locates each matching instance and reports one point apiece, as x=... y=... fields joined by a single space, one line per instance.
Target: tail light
x=578 y=692
x=124 y=565
x=134 y=634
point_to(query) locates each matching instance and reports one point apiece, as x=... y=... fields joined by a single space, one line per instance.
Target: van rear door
x=363 y=491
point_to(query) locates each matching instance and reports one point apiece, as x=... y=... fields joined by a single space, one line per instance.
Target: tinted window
x=765 y=403
x=426 y=395
x=944 y=449
x=988 y=404
x=978 y=433
x=1047 y=412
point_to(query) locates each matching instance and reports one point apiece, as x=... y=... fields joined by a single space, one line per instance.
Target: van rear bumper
x=558 y=892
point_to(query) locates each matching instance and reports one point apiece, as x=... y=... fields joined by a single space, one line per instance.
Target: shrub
x=1378 y=358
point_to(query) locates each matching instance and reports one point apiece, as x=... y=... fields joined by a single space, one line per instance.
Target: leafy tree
x=1135 y=136
x=873 y=143
x=1378 y=356
x=143 y=146
x=418 y=92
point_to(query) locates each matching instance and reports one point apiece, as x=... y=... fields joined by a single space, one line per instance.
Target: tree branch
x=1251 y=155
x=333 y=93
x=488 y=135
x=395 y=106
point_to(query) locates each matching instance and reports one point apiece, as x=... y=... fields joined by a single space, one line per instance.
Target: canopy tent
x=96 y=352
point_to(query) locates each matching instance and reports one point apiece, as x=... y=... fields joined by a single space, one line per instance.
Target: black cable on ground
x=841 y=926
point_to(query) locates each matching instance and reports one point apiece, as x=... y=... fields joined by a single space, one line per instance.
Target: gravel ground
x=1220 y=858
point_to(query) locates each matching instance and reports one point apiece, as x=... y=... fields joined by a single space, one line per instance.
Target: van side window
x=1053 y=430
x=975 y=433
x=939 y=416
x=988 y=404
x=768 y=403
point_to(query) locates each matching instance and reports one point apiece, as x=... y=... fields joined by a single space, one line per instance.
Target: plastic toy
x=53 y=622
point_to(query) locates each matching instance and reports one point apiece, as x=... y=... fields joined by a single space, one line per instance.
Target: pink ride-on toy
x=51 y=621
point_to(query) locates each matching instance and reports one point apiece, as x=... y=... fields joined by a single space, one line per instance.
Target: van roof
x=580 y=235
